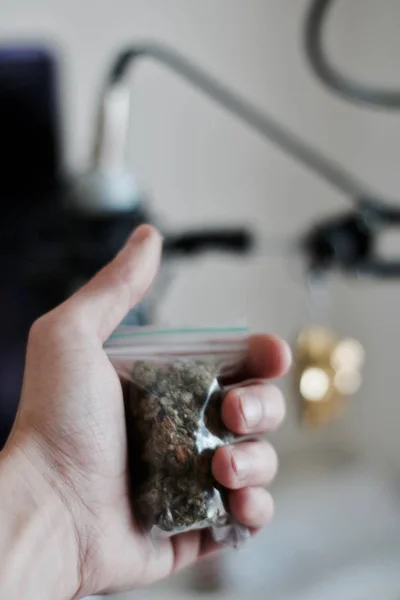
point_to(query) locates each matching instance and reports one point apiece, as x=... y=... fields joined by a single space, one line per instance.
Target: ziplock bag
x=174 y=386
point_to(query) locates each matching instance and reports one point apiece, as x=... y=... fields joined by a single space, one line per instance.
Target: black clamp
x=348 y=242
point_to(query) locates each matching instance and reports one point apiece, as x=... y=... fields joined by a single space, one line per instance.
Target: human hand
x=70 y=430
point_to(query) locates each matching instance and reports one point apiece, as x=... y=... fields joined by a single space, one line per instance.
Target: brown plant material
x=174 y=426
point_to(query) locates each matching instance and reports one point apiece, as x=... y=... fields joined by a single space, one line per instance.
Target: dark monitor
x=29 y=140
x=29 y=177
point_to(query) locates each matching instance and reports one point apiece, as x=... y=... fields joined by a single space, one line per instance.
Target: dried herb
x=174 y=426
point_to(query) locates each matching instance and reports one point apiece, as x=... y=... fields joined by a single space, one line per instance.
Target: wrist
x=39 y=555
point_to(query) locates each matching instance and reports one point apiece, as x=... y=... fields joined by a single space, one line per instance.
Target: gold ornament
x=327 y=372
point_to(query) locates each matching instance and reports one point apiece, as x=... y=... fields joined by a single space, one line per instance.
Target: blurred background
x=195 y=168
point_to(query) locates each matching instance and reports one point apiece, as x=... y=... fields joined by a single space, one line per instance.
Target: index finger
x=268 y=357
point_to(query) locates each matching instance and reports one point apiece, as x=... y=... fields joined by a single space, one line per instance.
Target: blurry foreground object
x=327 y=373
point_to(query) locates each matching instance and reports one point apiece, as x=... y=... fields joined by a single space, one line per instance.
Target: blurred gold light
x=327 y=373
x=315 y=343
x=348 y=354
x=348 y=382
x=314 y=384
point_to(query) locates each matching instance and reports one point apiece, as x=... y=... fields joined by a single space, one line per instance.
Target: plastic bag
x=173 y=385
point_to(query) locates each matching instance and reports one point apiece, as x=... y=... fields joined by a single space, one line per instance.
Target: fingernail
x=287 y=352
x=252 y=410
x=274 y=409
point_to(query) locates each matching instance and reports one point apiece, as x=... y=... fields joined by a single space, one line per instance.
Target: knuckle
x=226 y=468
x=39 y=329
x=233 y=412
x=51 y=328
x=232 y=472
x=240 y=411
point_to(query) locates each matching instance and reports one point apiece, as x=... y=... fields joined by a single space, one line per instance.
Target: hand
x=70 y=430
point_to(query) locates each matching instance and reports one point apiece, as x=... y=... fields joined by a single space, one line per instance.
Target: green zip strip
x=146 y=332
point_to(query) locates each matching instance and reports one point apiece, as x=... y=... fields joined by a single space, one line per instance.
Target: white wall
x=199 y=165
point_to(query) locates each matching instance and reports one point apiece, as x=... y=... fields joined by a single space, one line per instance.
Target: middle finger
x=253 y=409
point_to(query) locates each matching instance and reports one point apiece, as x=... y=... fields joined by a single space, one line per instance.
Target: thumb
x=104 y=301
